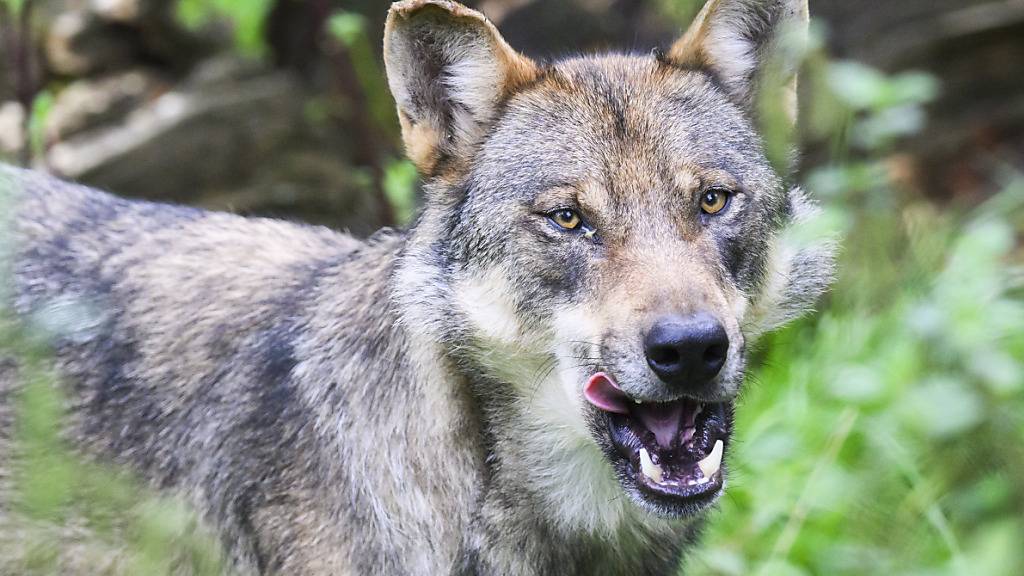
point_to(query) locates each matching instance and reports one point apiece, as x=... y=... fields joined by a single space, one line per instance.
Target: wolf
x=537 y=377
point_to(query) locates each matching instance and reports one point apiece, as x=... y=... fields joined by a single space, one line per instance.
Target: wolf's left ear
x=449 y=70
x=739 y=42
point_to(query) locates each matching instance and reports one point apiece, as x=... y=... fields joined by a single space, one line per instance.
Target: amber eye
x=566 y=218
x=714 y=200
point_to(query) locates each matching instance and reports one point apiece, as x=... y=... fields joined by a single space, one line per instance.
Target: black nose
x=686 y=350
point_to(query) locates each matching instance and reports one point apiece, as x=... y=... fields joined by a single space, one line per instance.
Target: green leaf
x=400 y=178
x=943 y=407
x=348 y=27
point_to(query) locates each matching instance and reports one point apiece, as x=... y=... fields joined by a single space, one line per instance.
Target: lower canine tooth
x=710 y=465
x=648 y=467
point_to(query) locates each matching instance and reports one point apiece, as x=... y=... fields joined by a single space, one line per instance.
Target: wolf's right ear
x=741 y=43
x=449 y=70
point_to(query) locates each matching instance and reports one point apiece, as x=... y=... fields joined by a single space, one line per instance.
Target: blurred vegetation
x=398 y=178
x=883 y=435
x=246 y=17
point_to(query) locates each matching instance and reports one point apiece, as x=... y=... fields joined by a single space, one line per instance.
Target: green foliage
x=398 y=182
x=679 y=10
x=13 y=6
x=884 y=435
x=247 y=18
x=41 y=106
x=891 y=106
x=349 y=29
x=400 y=179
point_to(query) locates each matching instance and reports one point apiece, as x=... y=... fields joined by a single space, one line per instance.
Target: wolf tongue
x=601 y=391
x=664 y=419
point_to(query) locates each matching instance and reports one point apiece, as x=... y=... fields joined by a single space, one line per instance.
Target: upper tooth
x=637 y=400
x=648 y=467
x=712 y=462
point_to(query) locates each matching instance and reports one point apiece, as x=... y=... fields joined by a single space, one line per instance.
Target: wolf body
x=450 y=399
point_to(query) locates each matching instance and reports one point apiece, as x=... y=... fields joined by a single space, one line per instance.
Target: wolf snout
x=686 y=352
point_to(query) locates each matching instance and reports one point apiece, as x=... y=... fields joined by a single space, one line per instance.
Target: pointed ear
x=449 y=71
x=747 y=44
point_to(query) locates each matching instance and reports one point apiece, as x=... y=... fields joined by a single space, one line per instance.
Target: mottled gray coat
x=412 y=404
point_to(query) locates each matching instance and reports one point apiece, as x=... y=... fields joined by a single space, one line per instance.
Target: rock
x=217 y=134
x=220 y=130
x=231 y=136
x=308 y=184
x=78 y=44
x=12 y=128
x=130 y=11
x=223 y=72
x=87 y=104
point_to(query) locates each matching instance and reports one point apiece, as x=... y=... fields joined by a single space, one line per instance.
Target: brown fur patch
x=426 y=136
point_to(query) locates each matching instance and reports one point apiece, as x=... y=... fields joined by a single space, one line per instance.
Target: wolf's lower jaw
x=676 y=466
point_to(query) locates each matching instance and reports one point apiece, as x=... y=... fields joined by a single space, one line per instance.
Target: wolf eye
x=714 y=200
x=566 y=218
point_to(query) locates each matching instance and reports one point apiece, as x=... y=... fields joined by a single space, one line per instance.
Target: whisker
x=552 y=365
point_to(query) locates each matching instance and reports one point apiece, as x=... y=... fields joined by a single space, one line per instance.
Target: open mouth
x=671 y=452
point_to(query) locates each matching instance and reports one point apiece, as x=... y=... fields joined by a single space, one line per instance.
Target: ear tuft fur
x=736 y=41
x=449 y=70
x=799 y=271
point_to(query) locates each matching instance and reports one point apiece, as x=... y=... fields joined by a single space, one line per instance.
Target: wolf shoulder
x=184 y=289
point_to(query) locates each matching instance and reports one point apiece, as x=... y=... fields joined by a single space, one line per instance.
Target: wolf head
x=602 y=239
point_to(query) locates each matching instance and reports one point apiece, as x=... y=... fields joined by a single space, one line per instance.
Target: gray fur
x=412 y=404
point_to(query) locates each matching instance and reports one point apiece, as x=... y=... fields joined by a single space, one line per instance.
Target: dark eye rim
x=729 y=193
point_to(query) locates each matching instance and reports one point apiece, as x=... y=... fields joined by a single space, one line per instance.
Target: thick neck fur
x=548 y=502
